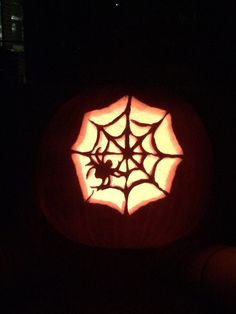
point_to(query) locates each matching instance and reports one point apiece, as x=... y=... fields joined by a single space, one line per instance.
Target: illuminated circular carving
x=126 y=155
x=124 y=171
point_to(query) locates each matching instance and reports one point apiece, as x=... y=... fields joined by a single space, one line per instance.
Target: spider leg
x=116 y=172
x=103 y=185
x=108 y=181
x=89 y=171
x=105 y=150
x=103 y=157
x=98 y=187
x=97 y=153
x=117 y=175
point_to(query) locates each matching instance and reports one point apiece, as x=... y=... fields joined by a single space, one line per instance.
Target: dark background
x=186 y=46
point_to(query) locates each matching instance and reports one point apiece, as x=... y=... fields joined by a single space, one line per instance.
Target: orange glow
x=126 y=155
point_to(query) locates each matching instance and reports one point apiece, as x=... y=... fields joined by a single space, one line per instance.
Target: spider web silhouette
x=131 y=156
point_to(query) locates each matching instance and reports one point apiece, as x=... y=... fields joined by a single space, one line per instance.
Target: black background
x=186 y=46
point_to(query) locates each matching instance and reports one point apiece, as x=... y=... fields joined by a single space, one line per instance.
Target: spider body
x=103 y=170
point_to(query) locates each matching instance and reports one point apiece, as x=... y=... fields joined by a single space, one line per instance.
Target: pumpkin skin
x=155 y=224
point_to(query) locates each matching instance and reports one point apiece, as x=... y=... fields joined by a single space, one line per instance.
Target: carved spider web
x=130 y=151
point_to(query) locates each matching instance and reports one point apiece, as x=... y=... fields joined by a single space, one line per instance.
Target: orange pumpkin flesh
x=124 y=171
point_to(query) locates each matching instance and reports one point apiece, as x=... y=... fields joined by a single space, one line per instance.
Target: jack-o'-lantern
x=124 y=170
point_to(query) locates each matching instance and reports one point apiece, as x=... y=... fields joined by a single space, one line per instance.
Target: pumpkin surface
x=124 y=170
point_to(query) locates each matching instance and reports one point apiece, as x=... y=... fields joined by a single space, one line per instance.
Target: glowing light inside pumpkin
x=126 y=155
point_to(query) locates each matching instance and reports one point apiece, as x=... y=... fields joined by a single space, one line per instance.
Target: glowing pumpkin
x=124 y=171
x=132 y=151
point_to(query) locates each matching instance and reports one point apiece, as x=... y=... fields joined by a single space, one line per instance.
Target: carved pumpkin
x=124 y=170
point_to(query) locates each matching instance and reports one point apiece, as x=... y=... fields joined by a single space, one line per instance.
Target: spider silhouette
x=103 y=170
